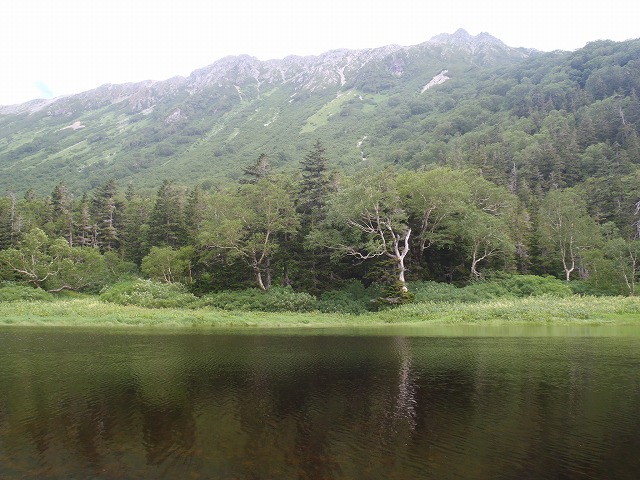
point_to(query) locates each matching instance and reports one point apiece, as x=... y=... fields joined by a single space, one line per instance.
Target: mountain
x=204 y=127
x=542 y=153
x=518 y=116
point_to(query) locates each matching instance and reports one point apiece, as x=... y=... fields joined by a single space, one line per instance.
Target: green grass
x=321 y=117
x=90 y=311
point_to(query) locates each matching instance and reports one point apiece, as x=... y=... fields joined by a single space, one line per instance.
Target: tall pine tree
x=107 y=212
x=314 y=187
x=311 y=265
x=167 y=220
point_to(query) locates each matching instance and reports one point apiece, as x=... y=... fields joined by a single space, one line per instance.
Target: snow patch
x=74 y=126
x=341 y=73
x=273 y=119
x=359 y=146
x=437 y=80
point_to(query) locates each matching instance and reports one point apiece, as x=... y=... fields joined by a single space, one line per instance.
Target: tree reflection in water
x=88 y=405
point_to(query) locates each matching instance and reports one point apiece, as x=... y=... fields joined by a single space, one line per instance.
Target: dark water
x=94 y=405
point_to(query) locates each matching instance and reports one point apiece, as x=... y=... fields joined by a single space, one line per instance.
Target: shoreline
x=92 y=312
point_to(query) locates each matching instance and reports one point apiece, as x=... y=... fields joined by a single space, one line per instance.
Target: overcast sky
x=55 y=47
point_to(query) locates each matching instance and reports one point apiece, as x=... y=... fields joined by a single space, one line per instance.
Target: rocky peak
x=463 y=39
x=334 y=68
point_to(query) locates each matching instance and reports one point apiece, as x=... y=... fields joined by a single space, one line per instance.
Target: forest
x=523 y=171
x=315 y=233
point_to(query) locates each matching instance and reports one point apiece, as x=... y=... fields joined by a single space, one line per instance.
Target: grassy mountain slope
x=520 y=117
x=205 y=127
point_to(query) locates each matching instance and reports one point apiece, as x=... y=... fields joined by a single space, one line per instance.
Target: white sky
x=55 y=47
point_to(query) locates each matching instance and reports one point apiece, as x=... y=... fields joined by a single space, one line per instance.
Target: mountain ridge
x=268 y=70
x=460 y=100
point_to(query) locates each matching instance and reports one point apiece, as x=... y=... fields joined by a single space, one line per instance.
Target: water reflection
x=89 y=405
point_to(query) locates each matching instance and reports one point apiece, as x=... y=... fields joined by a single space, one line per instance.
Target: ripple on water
x=222 y=406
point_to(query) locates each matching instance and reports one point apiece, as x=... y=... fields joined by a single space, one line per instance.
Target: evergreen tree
x=194 y=214
x=135 y=230
x=86 y=229
x=107 y=213
x=166 y=226
x=62 y=213
x=5 y=223
x=311 y=262
x=314 y=187
x=257 y=171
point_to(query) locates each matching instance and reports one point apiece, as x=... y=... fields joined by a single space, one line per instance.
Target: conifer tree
x=194 y=214
x=256 y=172
x=135 y=229
x=5 y=223
x=107 y=212
x=166 y=226
x=314 y=187
x=312 y=260
x=62 y=213
x=86 y=229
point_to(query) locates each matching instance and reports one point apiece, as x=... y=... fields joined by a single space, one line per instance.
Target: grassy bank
x=89 y=311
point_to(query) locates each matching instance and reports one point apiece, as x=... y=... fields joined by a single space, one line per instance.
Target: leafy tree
x=168 y=265
x=79 y=269
x=487 y=236
x=431 y=199
x=368 y=222
x=451 y=208
x=248 y=223
x=54 y=265
x=625 y=255
x=35 y=260
x=565 y=228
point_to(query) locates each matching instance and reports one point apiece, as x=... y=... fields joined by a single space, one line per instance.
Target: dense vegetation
x=527 y=168
x=314 y=240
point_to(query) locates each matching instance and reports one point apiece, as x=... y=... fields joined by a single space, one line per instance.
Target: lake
x=394 y=403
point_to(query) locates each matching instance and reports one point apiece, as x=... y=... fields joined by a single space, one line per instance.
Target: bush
x=530 y=286
x=392 y=295
x=11 y=292
x=511 y=286
x=441 y=292
x=146 y=293
x=352 y=298
x=276 y=299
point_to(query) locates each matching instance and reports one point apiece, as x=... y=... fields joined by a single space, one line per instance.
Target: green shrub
x=146 y=293
x=511 y=286
x=391 y=295
x=441 y=292
x=534 y=285
x=11 y=292
x=276 y=299
x=352 y=298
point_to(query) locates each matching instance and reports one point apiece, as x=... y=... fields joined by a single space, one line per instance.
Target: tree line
x=317 y=228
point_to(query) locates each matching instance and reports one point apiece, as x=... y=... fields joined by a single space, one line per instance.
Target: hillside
x=369 y=107
x=453 y=160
